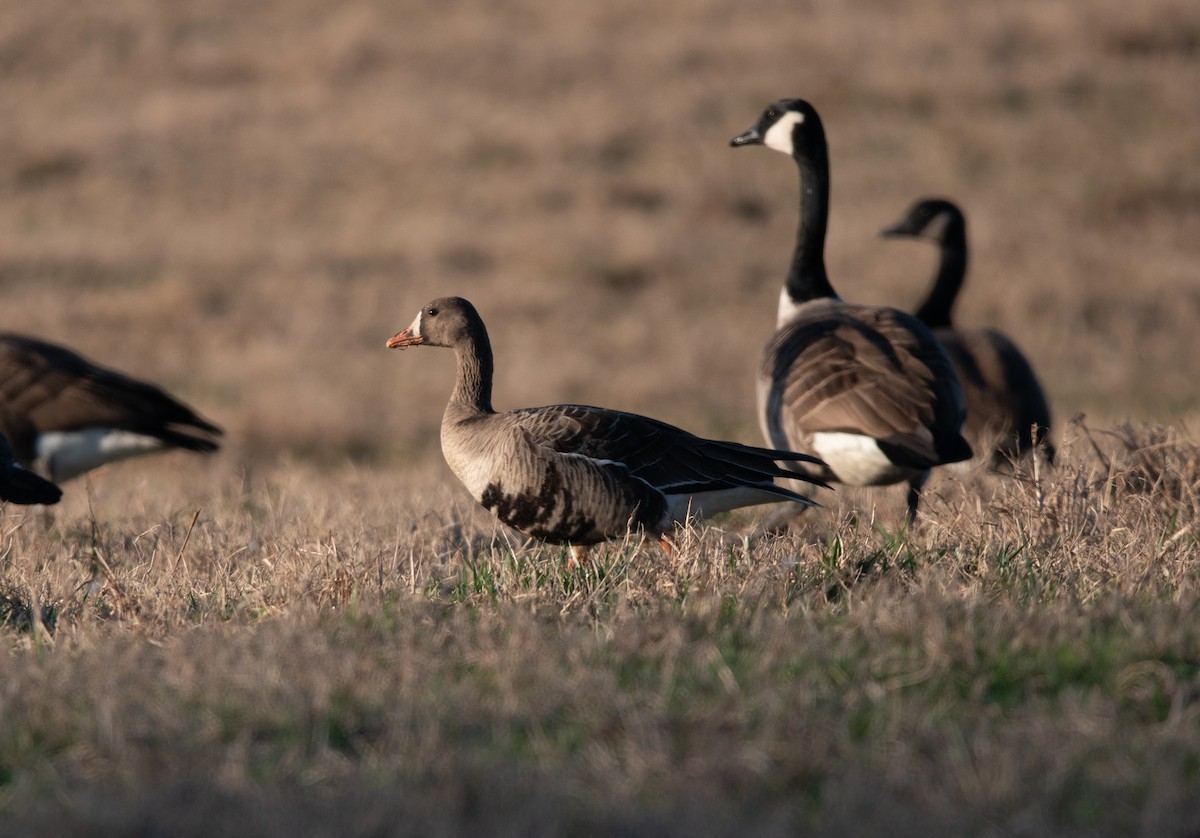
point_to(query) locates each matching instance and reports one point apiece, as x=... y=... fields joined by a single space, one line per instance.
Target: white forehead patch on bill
x=415 y=326
x=779 y=135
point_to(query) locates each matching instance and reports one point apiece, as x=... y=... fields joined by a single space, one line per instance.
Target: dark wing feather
x=668 y=458
x=867 y=370
x=45 y=387
x=1004 y=397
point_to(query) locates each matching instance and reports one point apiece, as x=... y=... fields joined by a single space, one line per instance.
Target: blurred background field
x=243 y=201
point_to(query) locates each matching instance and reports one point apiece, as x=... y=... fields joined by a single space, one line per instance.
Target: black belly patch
x=550 y=513
x=546 y=513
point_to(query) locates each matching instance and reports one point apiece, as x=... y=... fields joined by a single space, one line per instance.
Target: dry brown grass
x=244 y=201
x=303 y=651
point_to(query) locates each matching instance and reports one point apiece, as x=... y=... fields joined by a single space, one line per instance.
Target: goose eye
x=772 y=113
x=431 y=311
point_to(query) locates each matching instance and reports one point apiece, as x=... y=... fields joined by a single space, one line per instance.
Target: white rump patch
x=62 y=455
x=857 y=459
x=705 y=504
x=779 y=135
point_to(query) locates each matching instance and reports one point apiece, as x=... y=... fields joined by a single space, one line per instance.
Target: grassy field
x=316 y=632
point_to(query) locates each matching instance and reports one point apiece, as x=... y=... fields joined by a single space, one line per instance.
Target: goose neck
x=936 y=311
x=807 y=278
x=473 y=381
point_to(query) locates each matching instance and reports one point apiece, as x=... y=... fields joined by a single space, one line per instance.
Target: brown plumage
x=578 y=475
x=867 y=388
x=65 y=415
x=1008 y=415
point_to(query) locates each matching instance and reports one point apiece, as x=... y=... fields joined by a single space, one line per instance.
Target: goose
x=577 y=475
x=868 y=389
x=18 y=485
x=65 y=415
x=1005 y=400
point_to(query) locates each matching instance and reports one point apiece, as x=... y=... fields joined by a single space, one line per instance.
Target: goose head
x=788 y=125
x=447 y=321
x=929 y=218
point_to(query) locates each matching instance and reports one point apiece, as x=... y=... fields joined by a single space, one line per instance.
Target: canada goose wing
x=1003 y=392
x=865 y=374
x=51 y=388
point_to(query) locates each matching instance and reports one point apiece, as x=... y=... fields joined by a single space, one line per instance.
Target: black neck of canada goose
x=948 y=228
x=793 y=127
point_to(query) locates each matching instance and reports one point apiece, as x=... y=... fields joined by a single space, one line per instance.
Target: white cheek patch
x=936 y=228
x=779 y=135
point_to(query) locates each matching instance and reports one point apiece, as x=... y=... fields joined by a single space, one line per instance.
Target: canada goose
x=65 y=415
x=868 y=389
x=1005 y=401
x=17 y=485
x=577 y=475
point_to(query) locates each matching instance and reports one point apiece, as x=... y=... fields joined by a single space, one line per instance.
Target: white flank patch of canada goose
x=856 y=459
x=62 y=455
x=779 y=135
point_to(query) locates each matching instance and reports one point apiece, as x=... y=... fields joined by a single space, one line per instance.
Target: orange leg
x=578 y=555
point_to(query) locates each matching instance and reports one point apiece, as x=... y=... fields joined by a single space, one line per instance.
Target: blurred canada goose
x=18 y=485
x=1005 y=401
x=65 y=415
x=576 y=475
x=869 y=389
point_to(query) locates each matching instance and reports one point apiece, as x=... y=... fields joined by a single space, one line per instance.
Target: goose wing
x=864 y=370
x=663 y=456
x=45 y=387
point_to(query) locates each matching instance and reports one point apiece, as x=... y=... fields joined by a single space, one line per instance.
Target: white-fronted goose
x=65 y=415
x=1005 y=400
x=18 y=485
x=869 y=389
x=577 y=475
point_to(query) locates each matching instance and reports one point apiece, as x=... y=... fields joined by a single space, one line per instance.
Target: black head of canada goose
x=1007 y=410
x=19 y=485
x=869 y=389
x=65 y=415
x=577 y=475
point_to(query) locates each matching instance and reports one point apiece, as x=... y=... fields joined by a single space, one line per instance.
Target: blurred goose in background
x=1007 y=411
x=869 y=389
x=18 y=485
x=65 y=415
x=576 y=475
